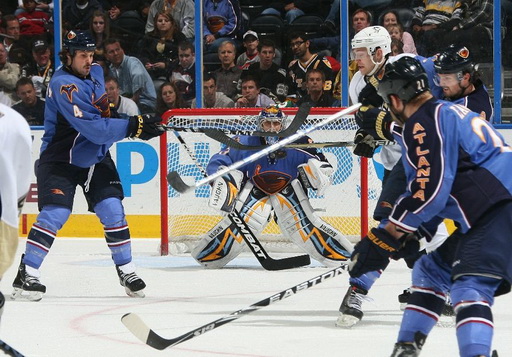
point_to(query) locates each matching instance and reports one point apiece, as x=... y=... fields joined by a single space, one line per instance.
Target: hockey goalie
x=272 y=187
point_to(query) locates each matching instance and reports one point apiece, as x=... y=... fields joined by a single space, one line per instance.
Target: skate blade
x=20 y=294
x=135 y=294
x=346 y=321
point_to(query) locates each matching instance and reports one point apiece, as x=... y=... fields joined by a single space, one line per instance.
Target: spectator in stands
x=250 y=56
x=475 y=30
x=33 y=22
x=17 y=53
x=124 y=106
x=41 y=5
x=222 y=20
x=396 y=32
x=390 y=18
x=271 y=77
x=361 y=19
x=30 y=106
x=99 y=28
x=331 y=25
x=304 y=60
x=9 y=75
x=40 y=71
x=251 y=96
x=228 y=74
x=168 y=97
x=181 y=10
x=184 y=74
x=431 y=23
x=134 y=81
x=78 y=13
x=129 y=19
x=315 y=82
x=397 y=47
x=289 y=10
x=212 y=98
x=159 y=48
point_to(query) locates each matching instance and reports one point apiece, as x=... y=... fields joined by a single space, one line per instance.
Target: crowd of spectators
x=147 y=52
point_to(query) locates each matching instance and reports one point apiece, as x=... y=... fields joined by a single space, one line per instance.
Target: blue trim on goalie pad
x=218 y=248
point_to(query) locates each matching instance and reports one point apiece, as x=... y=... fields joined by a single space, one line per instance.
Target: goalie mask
x=272 y=120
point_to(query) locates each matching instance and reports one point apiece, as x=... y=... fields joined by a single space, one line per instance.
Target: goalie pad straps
x=225 y=191
x=224 y=242
x=316 y=174
x=299 y=222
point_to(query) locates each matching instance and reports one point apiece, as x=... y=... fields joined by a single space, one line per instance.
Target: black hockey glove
x=375 y=121
x=364 y=144
x=369 y=97
x=372 y=252
x=144 y=127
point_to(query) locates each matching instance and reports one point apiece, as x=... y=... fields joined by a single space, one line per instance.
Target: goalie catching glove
x=375 y=121
x=144 y=127
x=316 y=174
x=225 y=190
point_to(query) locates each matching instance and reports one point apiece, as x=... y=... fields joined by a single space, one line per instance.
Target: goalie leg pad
x=225 y=190
x=298 y=220
x=254 y=207
x=220 y=245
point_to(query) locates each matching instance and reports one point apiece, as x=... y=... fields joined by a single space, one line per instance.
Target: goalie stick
x=9 y=351
x=144 y=333
x=266 y=261
x=179 y=185
x=298 y=121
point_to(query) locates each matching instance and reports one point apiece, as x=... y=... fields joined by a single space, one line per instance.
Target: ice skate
x=410 y=349
x=26 y=284
x=351 y=311
x=133 y=285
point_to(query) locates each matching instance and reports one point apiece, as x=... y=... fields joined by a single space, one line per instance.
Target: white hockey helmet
x=373 y=37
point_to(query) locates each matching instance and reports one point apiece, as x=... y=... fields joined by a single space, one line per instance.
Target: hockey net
x=347 y=204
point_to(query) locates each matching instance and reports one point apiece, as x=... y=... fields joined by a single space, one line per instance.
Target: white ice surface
x=81 y=311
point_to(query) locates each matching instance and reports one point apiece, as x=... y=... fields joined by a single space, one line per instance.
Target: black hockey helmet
x=454 y=59
x=405 y=78
x=79 y=40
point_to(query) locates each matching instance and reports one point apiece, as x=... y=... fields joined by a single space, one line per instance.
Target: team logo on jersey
x=270 y=181
x=57 y=191
x=68 y=89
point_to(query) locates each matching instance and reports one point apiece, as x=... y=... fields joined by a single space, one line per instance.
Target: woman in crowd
x=389 y=18
x=168 y=97
x=99 y=28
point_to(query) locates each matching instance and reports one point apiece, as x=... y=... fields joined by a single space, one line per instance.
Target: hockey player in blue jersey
x=451 y=74
x=271 y=184
x=78 y=133
x=449 y=152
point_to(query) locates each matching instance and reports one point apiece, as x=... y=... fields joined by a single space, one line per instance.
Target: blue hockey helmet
x=274 y=114
x=405 y=78
x=79 y=40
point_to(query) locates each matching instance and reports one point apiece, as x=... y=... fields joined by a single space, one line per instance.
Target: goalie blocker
x=225 y=190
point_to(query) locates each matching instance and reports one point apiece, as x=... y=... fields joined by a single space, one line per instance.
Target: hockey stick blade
x=144 y=333
x=180 y=186
x=9 y=351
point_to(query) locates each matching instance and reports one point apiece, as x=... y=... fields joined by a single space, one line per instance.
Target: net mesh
x=190 y=217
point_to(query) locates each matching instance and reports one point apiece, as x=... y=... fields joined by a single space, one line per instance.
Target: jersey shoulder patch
x=68 y=90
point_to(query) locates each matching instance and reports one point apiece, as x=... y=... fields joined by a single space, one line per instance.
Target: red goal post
x=185 y=218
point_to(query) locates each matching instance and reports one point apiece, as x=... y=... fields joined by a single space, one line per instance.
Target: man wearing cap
x=250 y=55
x=41 y=69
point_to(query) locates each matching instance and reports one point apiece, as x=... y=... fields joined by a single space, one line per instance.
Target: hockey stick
x=266 y=261
x=9 y=351
x=235 y=144
x=179 y=185
x=298 y=121
x=144 y=333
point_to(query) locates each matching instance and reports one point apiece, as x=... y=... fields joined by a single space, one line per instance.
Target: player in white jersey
x=15 y=170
